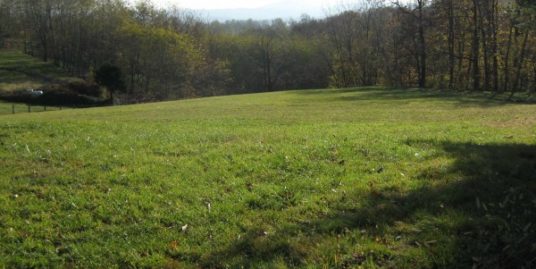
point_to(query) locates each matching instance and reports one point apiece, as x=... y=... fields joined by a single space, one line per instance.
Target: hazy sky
x=235 y=4
x=261 y=9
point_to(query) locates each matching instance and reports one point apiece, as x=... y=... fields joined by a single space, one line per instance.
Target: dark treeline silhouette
x=478 y=45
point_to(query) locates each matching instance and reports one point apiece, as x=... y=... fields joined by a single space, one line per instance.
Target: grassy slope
x=19 y=72
x=327 y=178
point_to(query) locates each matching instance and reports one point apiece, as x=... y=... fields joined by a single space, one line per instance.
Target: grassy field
x=370 y=178
x=19 y=72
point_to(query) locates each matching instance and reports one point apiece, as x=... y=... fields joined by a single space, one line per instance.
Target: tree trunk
x=451 y=43
x=484 y=30
x=533 y=90
x=486 y=60
x=422 y=47
x=506 y=69
x=476 y=48
x=520 y=62
x=45 y=51
x=461 y=53
x=494 y=48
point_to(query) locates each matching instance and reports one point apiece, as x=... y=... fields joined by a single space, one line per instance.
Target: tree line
x=477 y=45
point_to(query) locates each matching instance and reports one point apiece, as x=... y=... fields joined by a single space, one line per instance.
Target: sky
x=243 y=4
x=255 y=9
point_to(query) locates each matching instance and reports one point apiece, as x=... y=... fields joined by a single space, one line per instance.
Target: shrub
x=85 y=88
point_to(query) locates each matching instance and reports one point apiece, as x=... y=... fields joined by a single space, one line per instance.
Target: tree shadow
x=484 y=219
x=484 y=99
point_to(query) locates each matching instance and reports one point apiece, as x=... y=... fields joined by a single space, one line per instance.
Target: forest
x=459 y=45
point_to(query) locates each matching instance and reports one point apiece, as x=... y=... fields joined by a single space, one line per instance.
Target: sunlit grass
x=308 y=179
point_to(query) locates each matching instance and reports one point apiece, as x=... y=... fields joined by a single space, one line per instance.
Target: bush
x=63 y=97
x=85 y=88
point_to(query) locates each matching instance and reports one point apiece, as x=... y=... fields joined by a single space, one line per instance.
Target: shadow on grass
x=485 y=99
x=485 y=219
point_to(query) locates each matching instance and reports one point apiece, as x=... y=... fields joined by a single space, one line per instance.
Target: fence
x=11 y=108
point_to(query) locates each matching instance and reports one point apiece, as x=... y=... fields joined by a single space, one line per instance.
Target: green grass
x=368 y=178
x=19 y=72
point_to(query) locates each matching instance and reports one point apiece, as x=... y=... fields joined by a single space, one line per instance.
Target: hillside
x=365 y=177
x=19 y=71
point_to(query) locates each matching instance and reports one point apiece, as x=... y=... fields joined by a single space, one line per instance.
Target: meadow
x=350 y=178
x=19 y=71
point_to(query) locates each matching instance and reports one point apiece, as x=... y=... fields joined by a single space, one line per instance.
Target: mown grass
x=371 y=178
x=19 y=72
